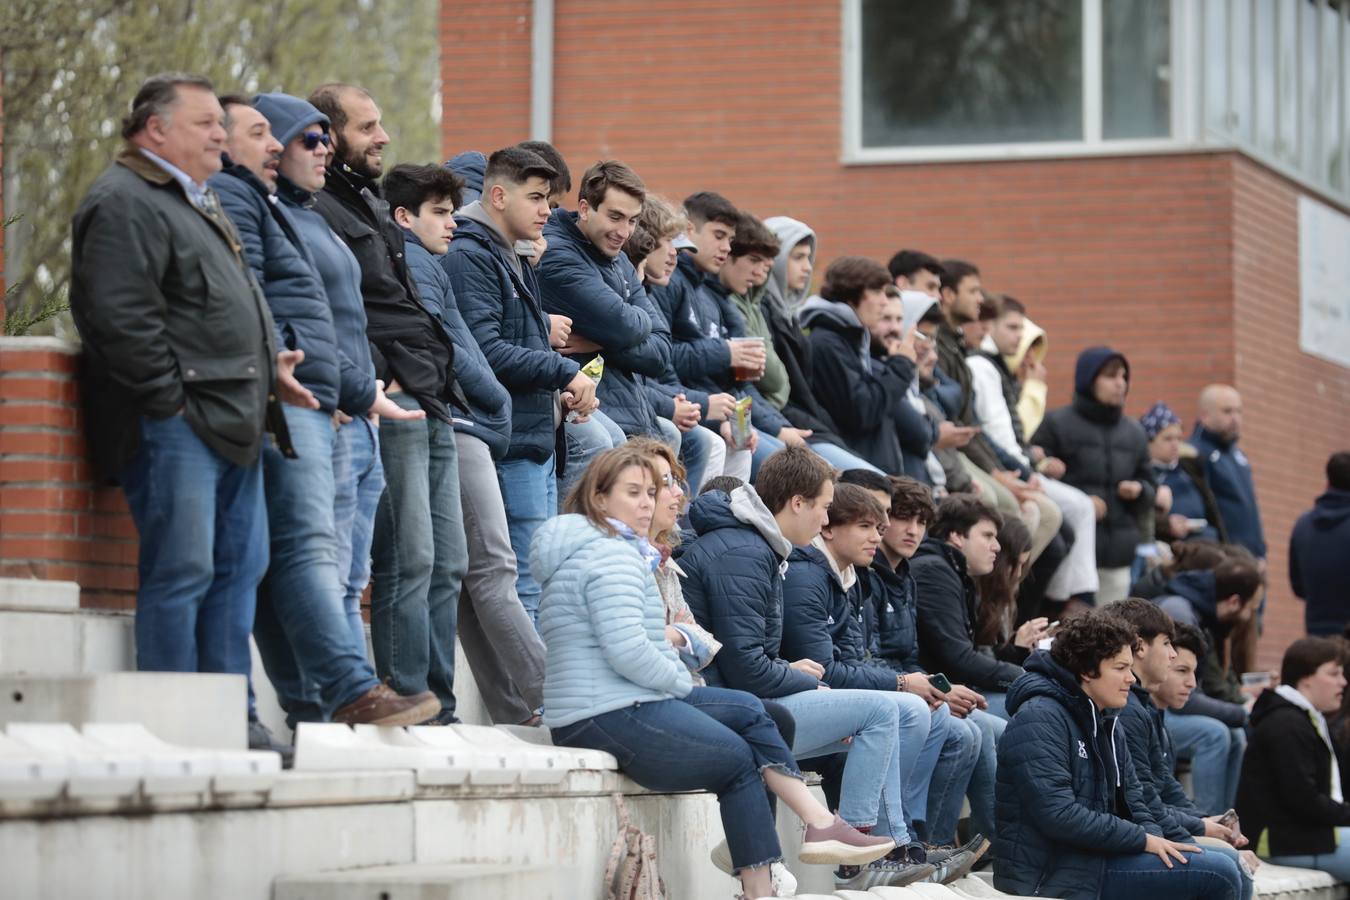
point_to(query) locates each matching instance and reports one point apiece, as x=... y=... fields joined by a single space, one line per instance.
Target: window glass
x=1136 y=69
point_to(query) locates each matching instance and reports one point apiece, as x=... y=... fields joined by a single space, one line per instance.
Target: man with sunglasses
x=301 y=628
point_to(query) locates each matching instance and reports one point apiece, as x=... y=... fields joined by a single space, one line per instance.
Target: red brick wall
x=485 y=74
x=1187 y=263
x=54 y=523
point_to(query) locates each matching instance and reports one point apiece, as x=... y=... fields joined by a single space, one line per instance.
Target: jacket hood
x=288 y=116
x=559 y=539
x=1269 y=703
x=1090 y=362
x=1030 y=332
x=790 y=233
x=470 y=166
x=1046 y=678
x=1331 y=509
x=231 y=169
x=1198 y=589
x=816 y=554
x=817 y=312
x=916 y=304
x=474 y=212
x=742 y=508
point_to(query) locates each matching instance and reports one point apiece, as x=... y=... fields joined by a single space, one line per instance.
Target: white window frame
x=1185 y=102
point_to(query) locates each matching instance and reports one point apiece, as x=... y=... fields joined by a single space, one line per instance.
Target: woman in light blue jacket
x=614 y=683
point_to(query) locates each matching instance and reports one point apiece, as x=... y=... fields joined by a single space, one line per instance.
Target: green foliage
x=71 y=68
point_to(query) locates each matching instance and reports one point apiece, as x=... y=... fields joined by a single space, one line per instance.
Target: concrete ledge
x=36 y=594
x=470 y=881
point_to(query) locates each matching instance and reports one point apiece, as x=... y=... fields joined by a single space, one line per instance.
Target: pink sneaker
x=841 y=844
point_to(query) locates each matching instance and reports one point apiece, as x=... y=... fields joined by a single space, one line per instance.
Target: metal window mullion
x=1092 y=71
x=851 y=76
x=1254 y=107
x=1298 y=85
x=1343 y=132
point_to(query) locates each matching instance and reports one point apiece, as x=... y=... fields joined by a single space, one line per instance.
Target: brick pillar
x=55 y=523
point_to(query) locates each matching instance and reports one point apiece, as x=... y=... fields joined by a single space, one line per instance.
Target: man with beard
x=419 y=554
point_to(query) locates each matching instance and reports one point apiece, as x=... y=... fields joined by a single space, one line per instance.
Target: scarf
x=650 y=555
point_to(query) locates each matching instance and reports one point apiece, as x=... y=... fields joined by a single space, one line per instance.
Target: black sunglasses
x=313 y=139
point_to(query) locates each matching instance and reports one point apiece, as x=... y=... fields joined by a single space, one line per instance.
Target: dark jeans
x=418 y=557
x=715 y=739
x=302 y=630
x=1142 y=876
x=203 y=550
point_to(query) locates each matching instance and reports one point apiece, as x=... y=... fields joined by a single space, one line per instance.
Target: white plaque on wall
x=1324 y=281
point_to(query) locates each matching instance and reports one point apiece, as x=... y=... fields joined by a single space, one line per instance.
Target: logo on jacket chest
x=1082 y=750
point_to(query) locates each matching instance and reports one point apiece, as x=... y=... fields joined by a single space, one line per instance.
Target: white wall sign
x=1324 y=281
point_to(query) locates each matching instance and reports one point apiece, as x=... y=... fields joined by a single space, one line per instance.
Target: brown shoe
x=381 y=706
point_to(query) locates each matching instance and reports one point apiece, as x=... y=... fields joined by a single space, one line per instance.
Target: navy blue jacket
x=341 y=276
x=1067 y=796
x=734 y=587
x=822 y=621
x=282 y=266
x=603 y=297
x=1230 y=478
x=1150 y=752
x=699 y=347
x=503 y=312
x=891 y=602
x=862 y=395
x=488 y=417
x=946 y=623
x=1319 y=562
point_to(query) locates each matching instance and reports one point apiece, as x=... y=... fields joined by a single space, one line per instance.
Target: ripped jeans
x=716 y=740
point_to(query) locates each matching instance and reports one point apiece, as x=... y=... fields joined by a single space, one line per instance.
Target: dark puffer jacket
x=699 y=346
x=1141 y=721
x=733 y=583
x=1230 y=478
x=803 y=410
x=864 y=394
x=502 y=310
x=1284 y=793
x=284 y=269
x=892 y=603
x=603 y=297
x=1100 y=448
x=1319 y=562
x=947 y=611
x=824 y=622
x=488 y=417
x=1067 y=796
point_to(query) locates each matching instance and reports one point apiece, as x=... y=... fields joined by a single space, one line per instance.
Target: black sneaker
x=954 y=863
x=260 y=737
x=444 y=717
x=894 y=870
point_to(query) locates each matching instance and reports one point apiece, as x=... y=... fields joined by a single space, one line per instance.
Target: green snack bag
x=741 y=429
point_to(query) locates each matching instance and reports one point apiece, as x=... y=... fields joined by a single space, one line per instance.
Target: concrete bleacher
x=119 y=784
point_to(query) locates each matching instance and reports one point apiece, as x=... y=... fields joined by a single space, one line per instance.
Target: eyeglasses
x=670 y=481
x=313 y=139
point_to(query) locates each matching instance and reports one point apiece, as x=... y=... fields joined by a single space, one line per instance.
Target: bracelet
x=900 y=682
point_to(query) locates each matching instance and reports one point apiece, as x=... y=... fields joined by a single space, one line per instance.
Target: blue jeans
x=841 y=459
x=1220 y=848
x=715 y=739
x=998 y=704
x=1337 y=864
x=586 y=441
x=1142 y=876
x=359 y=478
x=872 y=786
x=985 y=774
x=419 y=557
x=301 y=627
x=768 y=446
x=203 y=550
x=530 y=495
x=922 y=734
x=951 y=778
x=1215 y=752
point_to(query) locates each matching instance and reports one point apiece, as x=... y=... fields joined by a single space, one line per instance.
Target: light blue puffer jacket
x=603 y=622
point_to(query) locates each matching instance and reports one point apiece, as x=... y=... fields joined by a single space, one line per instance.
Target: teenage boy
x=733 y=583
x=1072 y=819
x=914 y=270
x=301 y=625
x=499 y=298
x=1142 y=721
x=704 y=323
x=966 y=765
x=825 y=619
x=586 y=277
x=498 y=637
x=862 y=393
x=962 y=545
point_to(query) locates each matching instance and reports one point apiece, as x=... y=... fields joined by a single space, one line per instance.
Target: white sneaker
x=784 y=882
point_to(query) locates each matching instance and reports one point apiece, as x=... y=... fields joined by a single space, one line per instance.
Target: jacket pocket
x=224 y=395
x=230 y=367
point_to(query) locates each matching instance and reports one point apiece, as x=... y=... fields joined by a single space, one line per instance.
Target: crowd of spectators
x=676 y=506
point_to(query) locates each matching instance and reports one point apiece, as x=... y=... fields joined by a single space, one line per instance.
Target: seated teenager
x=613 y=681
x=824 y=619
x=733 y=585
x=997 y=631
x=1145 y=734
x=1291 y=796
x=1185 y=508
x=968 y=760
x=1072 y=821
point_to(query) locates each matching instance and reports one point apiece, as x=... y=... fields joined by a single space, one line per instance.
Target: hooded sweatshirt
x=1031 y=404
x=1319 y=562
x=475 y=212
x=790 y=233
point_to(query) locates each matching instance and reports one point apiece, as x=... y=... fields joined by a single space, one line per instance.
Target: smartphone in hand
x=940 y=682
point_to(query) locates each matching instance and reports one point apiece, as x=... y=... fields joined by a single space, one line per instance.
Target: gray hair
x=156 y=97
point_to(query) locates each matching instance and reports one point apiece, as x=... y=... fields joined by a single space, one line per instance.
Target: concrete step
x=464 y=881
x=190 y=709
x=36 y=595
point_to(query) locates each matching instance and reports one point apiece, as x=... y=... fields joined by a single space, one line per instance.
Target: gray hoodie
x=819 y=308
x=477 y=213
x=748 y=508
x=790 y=233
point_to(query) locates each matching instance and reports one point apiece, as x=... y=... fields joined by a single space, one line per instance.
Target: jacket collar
x=131 y=157
x=1089 y=408
x=293 y=194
